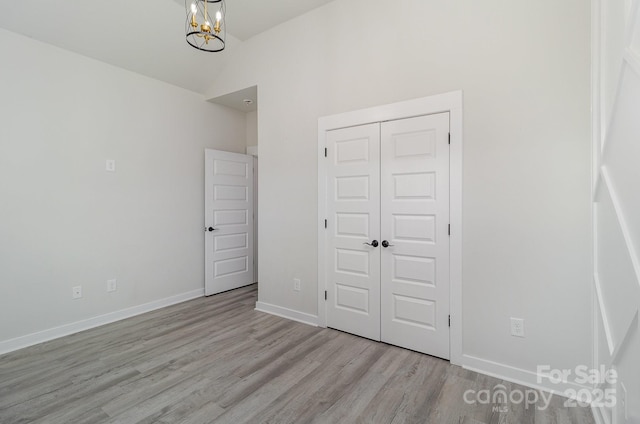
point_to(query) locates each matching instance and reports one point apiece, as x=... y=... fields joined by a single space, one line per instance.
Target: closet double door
x=388 y=232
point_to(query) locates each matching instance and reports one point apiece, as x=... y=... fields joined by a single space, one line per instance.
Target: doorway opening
x=246 y=100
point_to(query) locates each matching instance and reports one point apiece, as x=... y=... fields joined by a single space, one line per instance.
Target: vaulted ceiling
x=145 y=36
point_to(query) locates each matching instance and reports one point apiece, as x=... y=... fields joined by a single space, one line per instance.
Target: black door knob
x=373 y=243
x=386 y=243
x=211 y=229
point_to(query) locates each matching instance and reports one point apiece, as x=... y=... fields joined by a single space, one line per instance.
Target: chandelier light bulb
x=218 y=16
x=194 y=9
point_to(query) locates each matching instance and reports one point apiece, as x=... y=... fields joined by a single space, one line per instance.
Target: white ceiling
x=246 y=18
x=243 y=100
x=145 y=36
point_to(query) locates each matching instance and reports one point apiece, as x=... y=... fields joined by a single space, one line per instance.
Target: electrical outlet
x=76 y=292
x=517 y=327
x=110 y=165
x=296 y=284
x=112 y=285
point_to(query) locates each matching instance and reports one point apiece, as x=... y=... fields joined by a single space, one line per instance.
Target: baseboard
x=75 y=327
x=287 y=313
x=520 y=376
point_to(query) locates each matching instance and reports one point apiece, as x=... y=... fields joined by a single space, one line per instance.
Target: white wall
x=524 y=69
x=64 y=221
x=252 y=128
x=617 y=201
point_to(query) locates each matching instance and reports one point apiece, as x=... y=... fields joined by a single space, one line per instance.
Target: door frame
x=447 y=102
x=253 y=151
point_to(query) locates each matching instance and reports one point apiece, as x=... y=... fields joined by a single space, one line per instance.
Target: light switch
x=111 y=165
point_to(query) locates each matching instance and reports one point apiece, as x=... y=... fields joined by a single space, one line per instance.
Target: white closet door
x=228 y=221
x=415 y=220
x=353 y=211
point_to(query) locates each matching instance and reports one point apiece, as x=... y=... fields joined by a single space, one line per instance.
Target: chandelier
x=203 y=32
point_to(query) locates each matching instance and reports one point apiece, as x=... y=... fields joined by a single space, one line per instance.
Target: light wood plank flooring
x=216 y=360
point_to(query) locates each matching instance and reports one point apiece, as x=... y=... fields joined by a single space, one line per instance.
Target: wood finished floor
x=216 y=360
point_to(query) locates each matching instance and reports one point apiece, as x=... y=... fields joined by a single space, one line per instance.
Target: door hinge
x=449 y=320
x=325 y=295
x=325 y=152
x=449 y=230
x=449 y=138
x=325 y=223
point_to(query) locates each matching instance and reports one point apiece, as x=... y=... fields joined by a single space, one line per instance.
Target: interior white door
x=353 y=220
x=415 y=221
x=228 y=221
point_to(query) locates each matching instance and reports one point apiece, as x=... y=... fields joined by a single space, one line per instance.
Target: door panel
x=353 y=210
x=229 y=211
x=414 y=220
